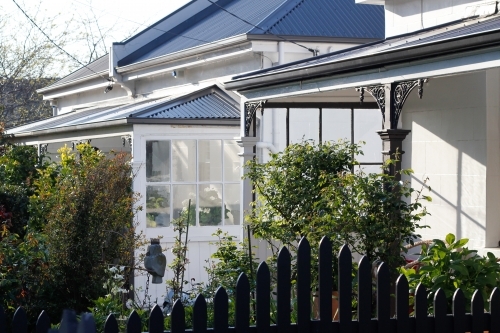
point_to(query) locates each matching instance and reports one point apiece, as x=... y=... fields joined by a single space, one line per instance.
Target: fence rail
x=440 y=322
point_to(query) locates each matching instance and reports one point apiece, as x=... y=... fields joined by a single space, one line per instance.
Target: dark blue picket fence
x=477 y=321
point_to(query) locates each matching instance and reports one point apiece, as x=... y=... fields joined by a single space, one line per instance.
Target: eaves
x=74 y=82
x=353 y=65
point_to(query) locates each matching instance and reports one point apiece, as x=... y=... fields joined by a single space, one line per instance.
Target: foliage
x=449 y=265
x=308 y=190
x=88 y=209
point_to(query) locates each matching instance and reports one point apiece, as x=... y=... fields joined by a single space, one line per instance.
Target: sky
x=118 y=18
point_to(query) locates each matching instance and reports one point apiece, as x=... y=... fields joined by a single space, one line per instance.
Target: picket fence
x=440 y=322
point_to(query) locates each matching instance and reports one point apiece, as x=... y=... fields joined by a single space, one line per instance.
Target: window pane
x=157 y=206
x=231 y=161
x=366 y=125
x=304 y=125
x=336 y=125
x=184 y=160
x=210 y=204
x=181 y=196
x=158 y=161
x=232 y=204
x=210 y=160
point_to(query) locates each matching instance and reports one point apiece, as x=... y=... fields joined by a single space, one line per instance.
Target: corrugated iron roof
x=207 y=103
x=437 y=34
x=97 y=66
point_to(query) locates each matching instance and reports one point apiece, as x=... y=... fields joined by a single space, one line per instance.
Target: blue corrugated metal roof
x=212 y=104
x=325 y=18
x=208 y=103
x=441 y=33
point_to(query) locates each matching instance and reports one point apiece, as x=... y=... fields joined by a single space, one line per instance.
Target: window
x=207 y=172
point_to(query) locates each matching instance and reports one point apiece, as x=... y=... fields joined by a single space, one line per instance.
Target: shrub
x=449 y=265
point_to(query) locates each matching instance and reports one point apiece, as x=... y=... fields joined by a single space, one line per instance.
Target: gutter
x=419 y=52
x=74 y=82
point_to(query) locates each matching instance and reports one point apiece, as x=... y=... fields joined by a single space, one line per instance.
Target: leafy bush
x=309 y=190
x=449 y=265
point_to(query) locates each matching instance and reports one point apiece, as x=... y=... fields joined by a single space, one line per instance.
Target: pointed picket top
x=242 y=314
x=177 y=318
x=87 y=324
x=458 y=308
x=303 y=286
x=156 y=320
x=364 y=295
x=325 y=284
x=420 y=308
x=263 y=291
x=283 y=289
x=495 y=311
x=200 y=315
x=477 y=311
x=134 y=324
x=42 y=323
x=383 y=298
x=440 y=309
x=402 y=304
x=69 y=323
x=221 y=311
x=111 y=325
x=345 y=288
x=20 y=321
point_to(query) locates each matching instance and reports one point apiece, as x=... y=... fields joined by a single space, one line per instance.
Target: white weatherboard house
x=165 y=102
x=436 y=81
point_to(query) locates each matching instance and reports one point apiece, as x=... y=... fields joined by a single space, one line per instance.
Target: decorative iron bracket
x=398 y=93
x=43 y=148
x=76 y=143
x=125 y=139
x=377 y=92
x=250 y=111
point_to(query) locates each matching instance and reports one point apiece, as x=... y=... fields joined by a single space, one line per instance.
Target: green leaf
x=450 y=238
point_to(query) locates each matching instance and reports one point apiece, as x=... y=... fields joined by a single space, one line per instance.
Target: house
x=435 y=79
x=160 y=96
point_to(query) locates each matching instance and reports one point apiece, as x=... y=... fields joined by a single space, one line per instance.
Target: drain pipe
x=281 y=53
x=267 y=145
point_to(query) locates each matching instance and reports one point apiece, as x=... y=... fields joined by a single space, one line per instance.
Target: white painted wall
x=404 y=16
x=448 y=144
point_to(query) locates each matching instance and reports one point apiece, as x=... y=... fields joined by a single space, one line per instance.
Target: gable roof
x=357 y=58
x=208 y=104
x=223 y=19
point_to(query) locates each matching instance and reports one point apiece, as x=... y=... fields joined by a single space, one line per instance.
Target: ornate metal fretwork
x=250 y=110
x=378 y=93
x=400 y=92
x=43 y=148
x=76 y=143
x=125 y=139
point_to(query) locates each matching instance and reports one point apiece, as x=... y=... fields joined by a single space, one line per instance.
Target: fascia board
x=191 y=121
x=309 y=39
x=74 y=91
x=198 y=50
x=366 y=62
x=74 y=82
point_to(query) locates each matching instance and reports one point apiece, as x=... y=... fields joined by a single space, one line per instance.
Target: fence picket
x=87 y=324
x=283 y=288
x=42 y=323
x=477 y=311
x=134 y=324
x=402 y=305
x=495 y=311
x=325 y=285
x=303 y=286
x=458 y=311
x=345 y=289
x=69 y=323
x=20 y=321
x=364 y=295
x=440 y=308
x=242 y=314
x=420 y=308
x=3 y=328
x=200 y=315
x=111 y=325
x=177 y=318
x=221 y=311
x=263 y=298
x=383 y=299
x=156 y=320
